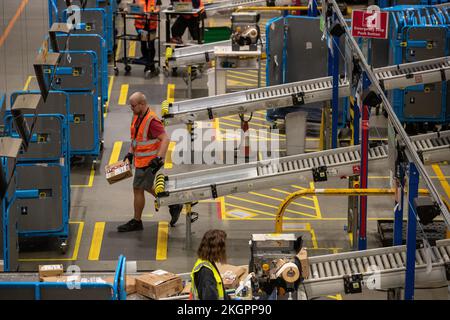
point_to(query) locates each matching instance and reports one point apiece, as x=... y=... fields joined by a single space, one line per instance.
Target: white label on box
x=51 y=267
x=160 y=272
x=308 y=45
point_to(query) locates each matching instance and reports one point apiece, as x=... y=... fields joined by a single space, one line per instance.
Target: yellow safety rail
x=329 y=192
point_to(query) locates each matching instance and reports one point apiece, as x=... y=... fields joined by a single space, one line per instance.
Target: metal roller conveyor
x=433 y=147
x=212 y=183
x=301 y=92
x=216 y=182
x=198 y=54
x=388 y=276
x=232 y=4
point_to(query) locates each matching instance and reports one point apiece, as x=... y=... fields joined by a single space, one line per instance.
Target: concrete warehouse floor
x=97 y=207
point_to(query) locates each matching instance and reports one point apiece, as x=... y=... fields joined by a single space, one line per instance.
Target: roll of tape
x=289 y=272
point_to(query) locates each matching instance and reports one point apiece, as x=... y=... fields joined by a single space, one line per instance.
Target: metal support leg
x=362 y=242
x=413 y=187
x=335 y=102
x=356 y=120
x=189 y=82
x=394 y=294
x=352 y=219
x=188 y=207
x=398 y=214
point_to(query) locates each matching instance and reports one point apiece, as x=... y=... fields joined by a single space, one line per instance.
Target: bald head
x=138 y=103
x=138 y=97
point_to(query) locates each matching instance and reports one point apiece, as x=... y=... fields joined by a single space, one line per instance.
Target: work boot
x=151 y=72
x=132 y=225
x=175 y=211
x=176 y=40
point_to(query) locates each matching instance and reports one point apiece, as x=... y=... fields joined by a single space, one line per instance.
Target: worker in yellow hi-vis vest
x=206 y=282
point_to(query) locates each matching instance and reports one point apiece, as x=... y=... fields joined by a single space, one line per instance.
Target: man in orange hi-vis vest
x=147 y=26
x=187 y=21
x=149 y=144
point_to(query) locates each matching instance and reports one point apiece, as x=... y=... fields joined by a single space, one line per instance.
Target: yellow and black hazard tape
x=165 y=108
x=159 y=184
x=169 y=52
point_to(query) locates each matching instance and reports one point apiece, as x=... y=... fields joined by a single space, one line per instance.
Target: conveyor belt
x=198 y=54
x=301 y=92
x=327 y=273
x=221 y=181
x=232 y=4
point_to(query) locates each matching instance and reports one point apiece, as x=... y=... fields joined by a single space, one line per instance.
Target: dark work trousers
x=180 y=25
x=148 y=52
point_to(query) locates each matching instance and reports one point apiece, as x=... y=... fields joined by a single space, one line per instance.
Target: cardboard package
x=187 y=289
x=2 y=266
x=62 y=279
x=50 y=270
x=159 y=284
x=231 y=275
x=118 y=171
x=130 y=283
x=303 y=257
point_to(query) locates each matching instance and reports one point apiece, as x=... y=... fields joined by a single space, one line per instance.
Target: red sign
x=372 y=24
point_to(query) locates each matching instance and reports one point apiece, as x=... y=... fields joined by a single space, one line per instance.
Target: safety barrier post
x=413 y=187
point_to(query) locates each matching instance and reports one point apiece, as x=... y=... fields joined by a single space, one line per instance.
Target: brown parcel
x=159 y=284
x=304 y=262
x=231 y=275
x=130 y=283
x=62 y=279
x=50 y=270
x=118 y=171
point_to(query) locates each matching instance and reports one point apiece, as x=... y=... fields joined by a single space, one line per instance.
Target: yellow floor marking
x=336 y=297
x=132 y=49
x=280 y=199
x=123 y=94
x=313 y=235
x=222 y=207
x=242 y=79
x=261 y=112
x=110 y=86
x=161 y=245
x=251 y=136
x=97 y=238
x=253 y=210
x=75 y=251
x=27 y=84
x=168 y=164
x=350 y=238
x=269 y=206
x=252 y=76
x=442 y=179
x=242 y=75
x=285 y=192
x=251 y=123
x=236 y=214
x=115 y=152
x=90 y=182
x=229 y=125
x=239 y=83
x=316 y=202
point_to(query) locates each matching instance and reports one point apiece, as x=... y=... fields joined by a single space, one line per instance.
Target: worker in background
x=149 y=144
x=146 y=29
x=189 y=21
x=206 y=282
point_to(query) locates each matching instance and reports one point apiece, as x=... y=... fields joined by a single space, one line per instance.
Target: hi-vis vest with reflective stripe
x=204 y=263
x=144 y=149
x=150 y=23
